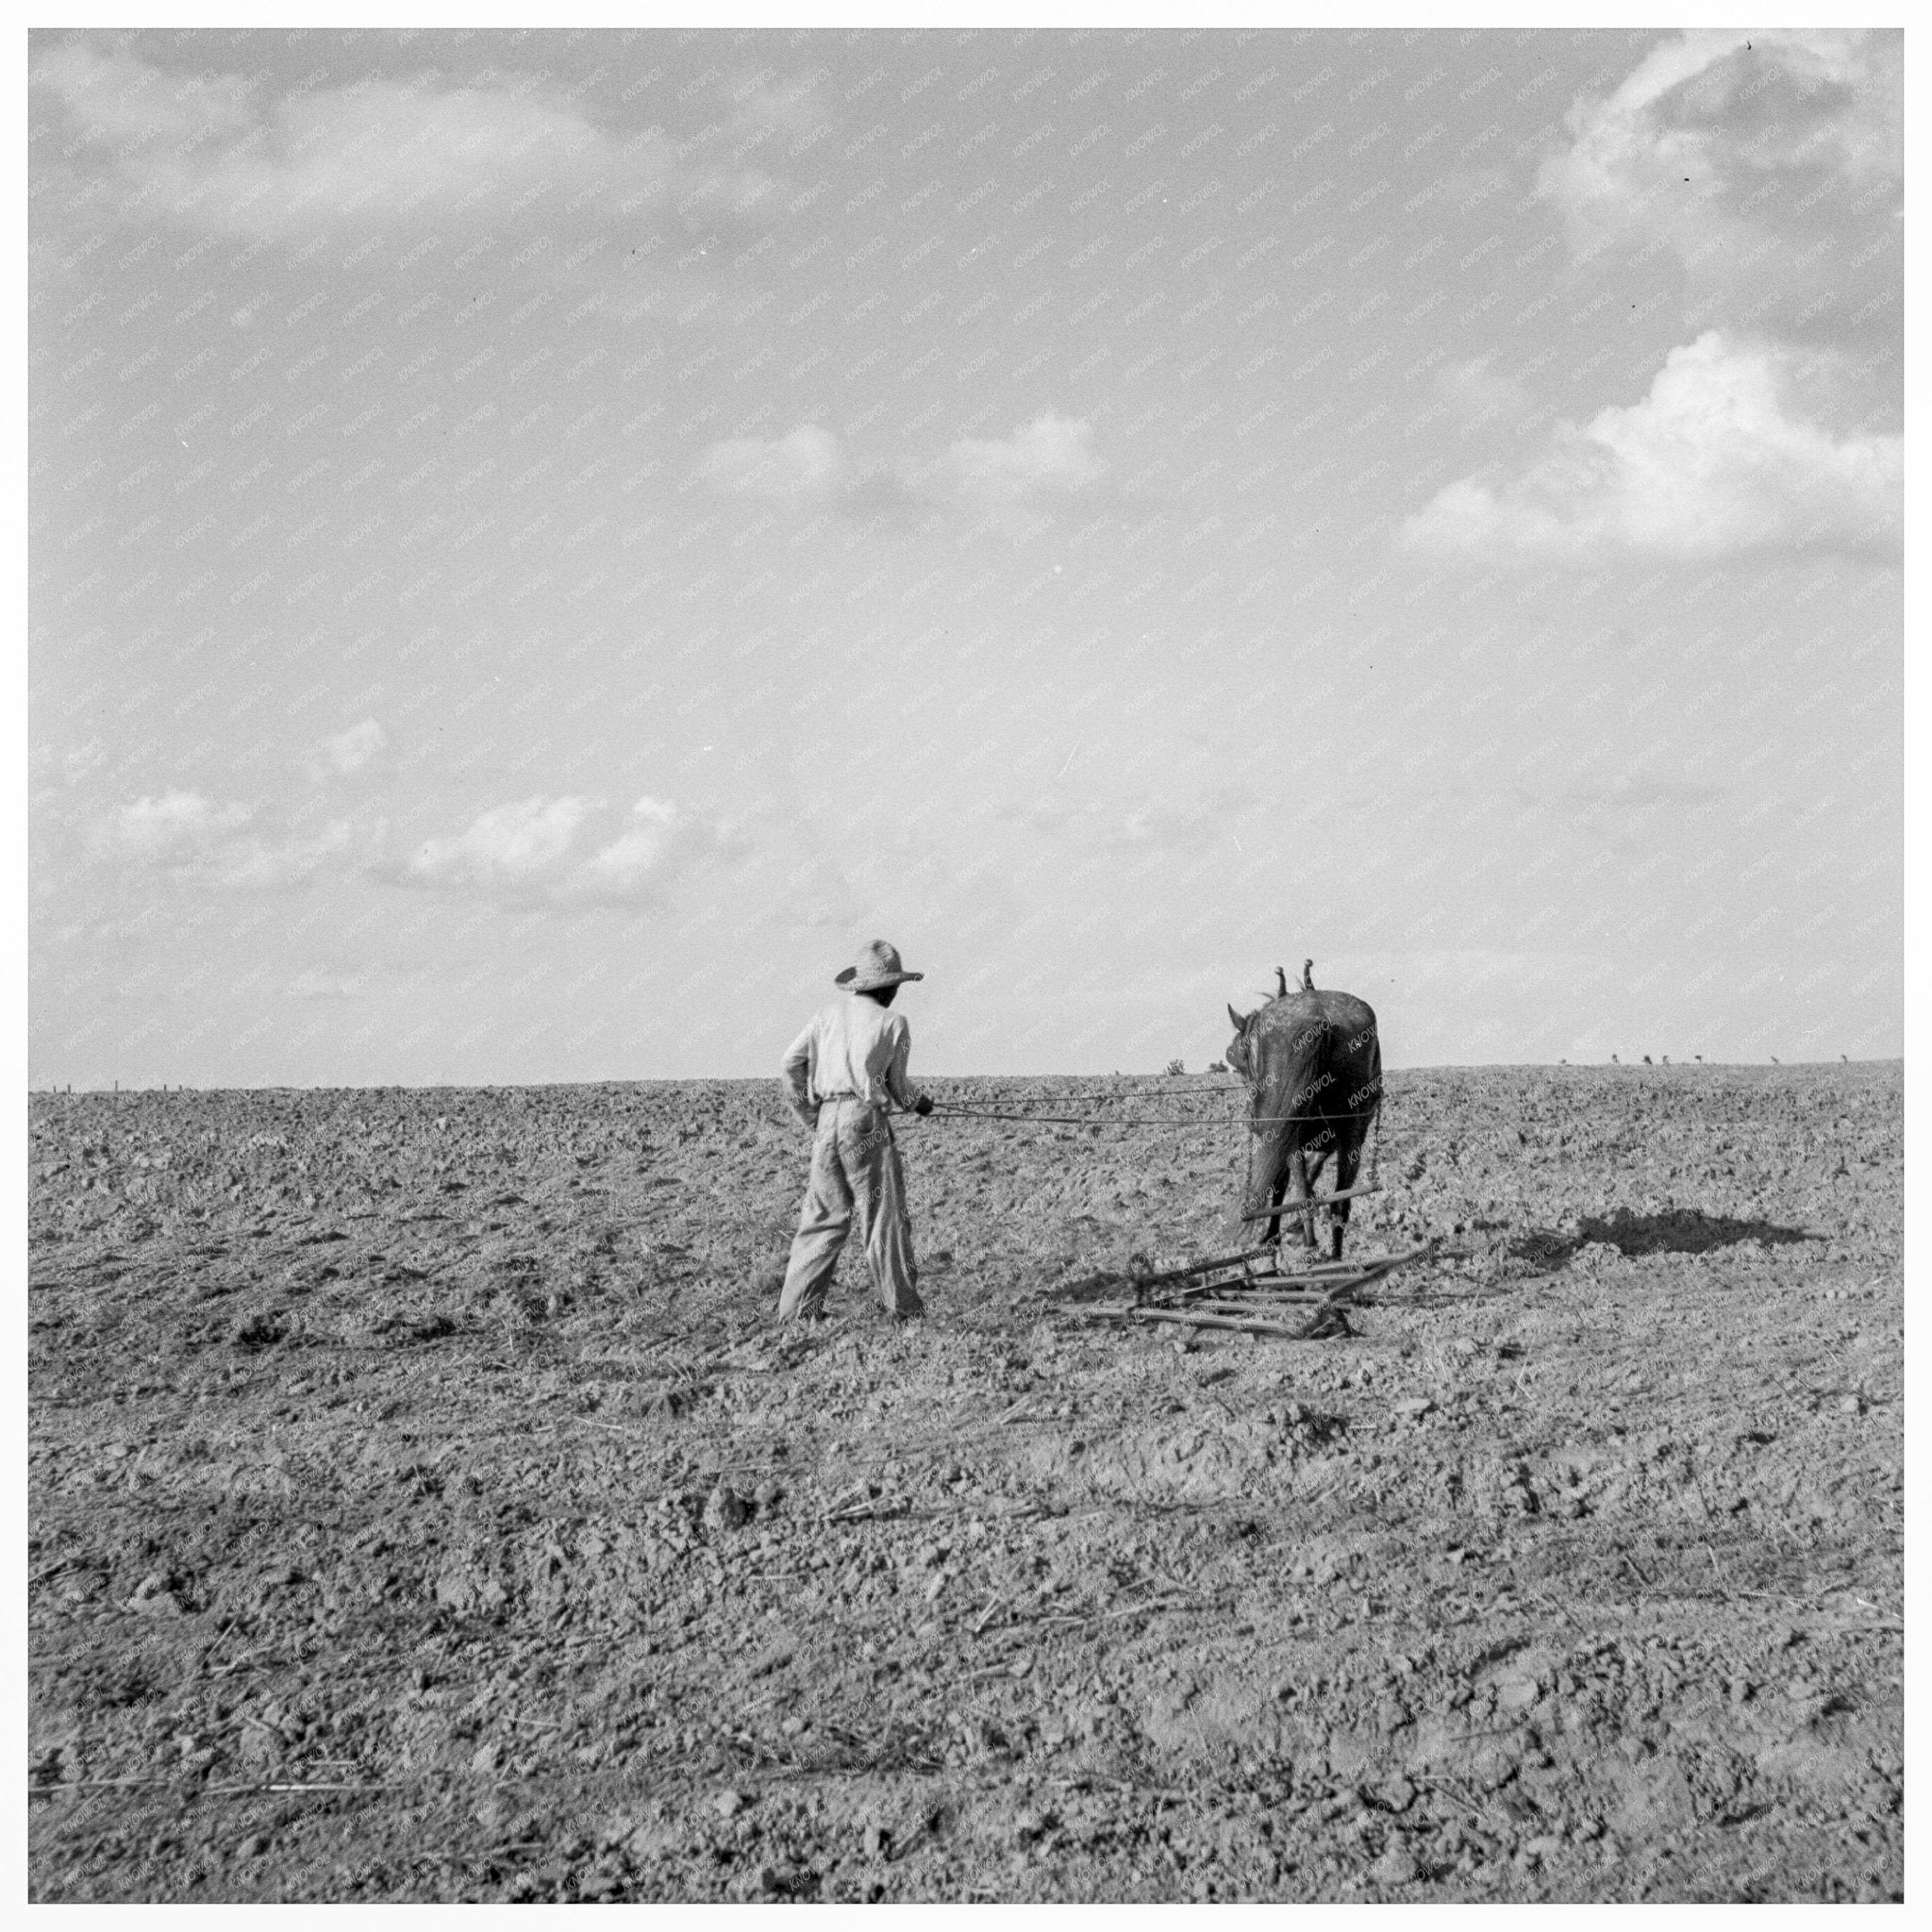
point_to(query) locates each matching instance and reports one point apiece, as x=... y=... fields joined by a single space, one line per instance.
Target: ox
x=1312 y=1065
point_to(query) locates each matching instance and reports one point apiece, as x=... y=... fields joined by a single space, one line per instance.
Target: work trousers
x=855 y=1171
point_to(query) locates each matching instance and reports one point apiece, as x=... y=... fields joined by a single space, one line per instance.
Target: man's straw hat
x=878 y=967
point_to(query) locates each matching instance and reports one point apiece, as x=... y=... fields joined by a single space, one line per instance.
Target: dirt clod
x=724 y=1508
x=1396 y=1866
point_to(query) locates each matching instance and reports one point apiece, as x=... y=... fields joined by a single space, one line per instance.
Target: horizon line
x=60 y=1090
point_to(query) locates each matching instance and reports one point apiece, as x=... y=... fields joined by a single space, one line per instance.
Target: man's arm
x=796 y=1069
x=902 y=1089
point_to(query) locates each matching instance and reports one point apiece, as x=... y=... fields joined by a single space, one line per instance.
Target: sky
x=542 y=544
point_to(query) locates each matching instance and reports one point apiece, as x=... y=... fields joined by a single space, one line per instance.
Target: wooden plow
x=1259 y=1291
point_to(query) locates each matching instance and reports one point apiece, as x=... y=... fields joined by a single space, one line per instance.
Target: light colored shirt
x=854 y=1046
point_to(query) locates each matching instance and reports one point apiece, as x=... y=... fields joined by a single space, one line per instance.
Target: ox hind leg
x=1348 y=1161
x=1299 y=1189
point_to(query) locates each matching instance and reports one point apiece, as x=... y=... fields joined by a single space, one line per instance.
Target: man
x=840 y=1075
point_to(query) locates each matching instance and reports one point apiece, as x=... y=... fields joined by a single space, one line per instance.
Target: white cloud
x=211 y=151
x=1694 y=106
x=1185 y=816
x=266 y=864
x=188 y=835
x=117 y=99
x=179 y=828
x=546 y=850
x=316 y=983
x=1179 y=821
x=510 y=844
x=349 y=750
x=83 y=761
x=762 y=107
x=638 y=853
x=1721 y=456
x=569 y=850
x=806 y=464
x=1770 y=164
x=1478 y=393
x=1052 y=455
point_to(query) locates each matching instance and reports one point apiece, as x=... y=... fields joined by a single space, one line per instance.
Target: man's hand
x=922 y=1106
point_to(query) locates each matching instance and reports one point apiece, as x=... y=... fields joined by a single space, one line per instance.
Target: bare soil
x=424 y=1507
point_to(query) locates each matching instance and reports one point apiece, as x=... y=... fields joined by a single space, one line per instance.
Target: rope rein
x=969 y=1110
x=942 y=1111
x=975 y=1110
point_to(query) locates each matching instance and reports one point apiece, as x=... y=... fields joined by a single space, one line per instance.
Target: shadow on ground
x=1106 y=1286
x=1676 y=1231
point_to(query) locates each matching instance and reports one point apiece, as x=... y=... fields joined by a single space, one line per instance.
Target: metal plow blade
x=1253 y=1291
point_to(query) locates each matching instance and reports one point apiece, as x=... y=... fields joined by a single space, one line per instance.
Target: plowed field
x=422 y=1506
